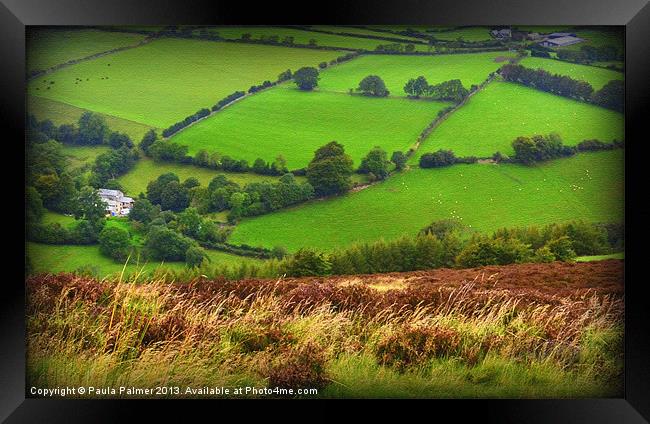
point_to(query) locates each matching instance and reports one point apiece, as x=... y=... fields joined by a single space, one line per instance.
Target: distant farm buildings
x=501 y=33
x=560 y=39
x=117 y=204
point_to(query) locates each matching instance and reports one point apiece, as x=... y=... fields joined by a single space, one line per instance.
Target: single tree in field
x=330 y=170
x=416 y=87
x=114 y=242
x=306 y=78
x=372 y=85
x=375 y=162
x=399 y=159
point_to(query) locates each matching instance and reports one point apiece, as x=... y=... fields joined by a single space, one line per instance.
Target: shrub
x=372 y=85
x=437 y=159
x=307 y=262
x=487 y=251
x=114 y=242
x=561 y=248
x=194 y=256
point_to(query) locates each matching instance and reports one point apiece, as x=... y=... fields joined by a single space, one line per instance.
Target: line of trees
x=611 y=96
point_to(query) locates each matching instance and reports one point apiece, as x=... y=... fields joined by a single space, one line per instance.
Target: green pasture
x=597 y=38
x=58 y=218
x=63 y=113
x=79 y=156
x=483 y=197
x=50 y=47
x=361 y=31
x=166 y=80
x=293 y=123
x=145 y=170
x=396 y=70
x=620 y=255
x=594 y=75
x=543 y=29
x=466 y=34
x=503 y=111
x=67 y=258
x=304 y=37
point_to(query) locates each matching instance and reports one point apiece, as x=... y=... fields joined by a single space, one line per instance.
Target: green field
x=166 y=80
x=397 y=70
x=362 y=31
x=594 y=75
x=620 y=255
x=483 y=197
x=50 y=47
x=146 y=170
x=62 y=113
x=495 y=116
x=467 y=34
x=79 y=156
x=303 y=37
x=289 y=122
x=543 y=29
x=57 y=218
x=66 y=258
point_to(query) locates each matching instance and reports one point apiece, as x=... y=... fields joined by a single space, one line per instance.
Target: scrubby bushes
x=174 y=128
x=228 y=99
x=374 y=86
x=115 y=243
x=451 y=90
x=538 y=148
x=437 y=159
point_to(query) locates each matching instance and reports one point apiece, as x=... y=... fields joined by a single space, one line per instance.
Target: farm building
x=561 y=34
x=501 y=33
x=117 y=204
x=561 y=41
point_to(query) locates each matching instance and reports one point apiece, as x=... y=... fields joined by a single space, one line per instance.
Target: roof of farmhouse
x=565 y=40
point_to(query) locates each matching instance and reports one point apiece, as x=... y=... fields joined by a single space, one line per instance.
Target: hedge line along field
x=483 y=197
x=63 y=113
x=145 y=170
x=503 y=111
x=303 y=37
x=48 y=258
x=293 y=123
x=164 y=81
x=466 y=34
x=396 y=70
x=594 y=75
x=49 y=47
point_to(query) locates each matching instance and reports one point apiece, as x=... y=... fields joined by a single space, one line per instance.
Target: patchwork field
x=501 y=112
x=594 y=75
x=66 y=258
x=164 y=81
x=397 y=70
x=50 y=47
x=289 y=122
x=483 y=197
x=304 y=37
x=63 y=113
x=146 y=170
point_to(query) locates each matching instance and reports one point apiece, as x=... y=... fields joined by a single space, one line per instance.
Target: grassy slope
x=146 y=170
x=57 y=218
x=60 y=258
x=494 y=117
x=484 y=197
x=397 y=70
x=81 y=155
x=595 y=76
x=293 y=123
x=63 y=113
x=303 y=37
x=48 y=47
x=166 y=80
x=620 y=255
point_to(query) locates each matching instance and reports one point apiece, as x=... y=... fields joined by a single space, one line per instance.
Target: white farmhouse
x=501 y=33
x=117 y=204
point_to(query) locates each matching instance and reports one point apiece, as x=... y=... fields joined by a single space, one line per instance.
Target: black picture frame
x=15 y=15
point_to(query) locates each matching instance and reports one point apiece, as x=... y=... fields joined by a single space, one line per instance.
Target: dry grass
x=293 y=334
